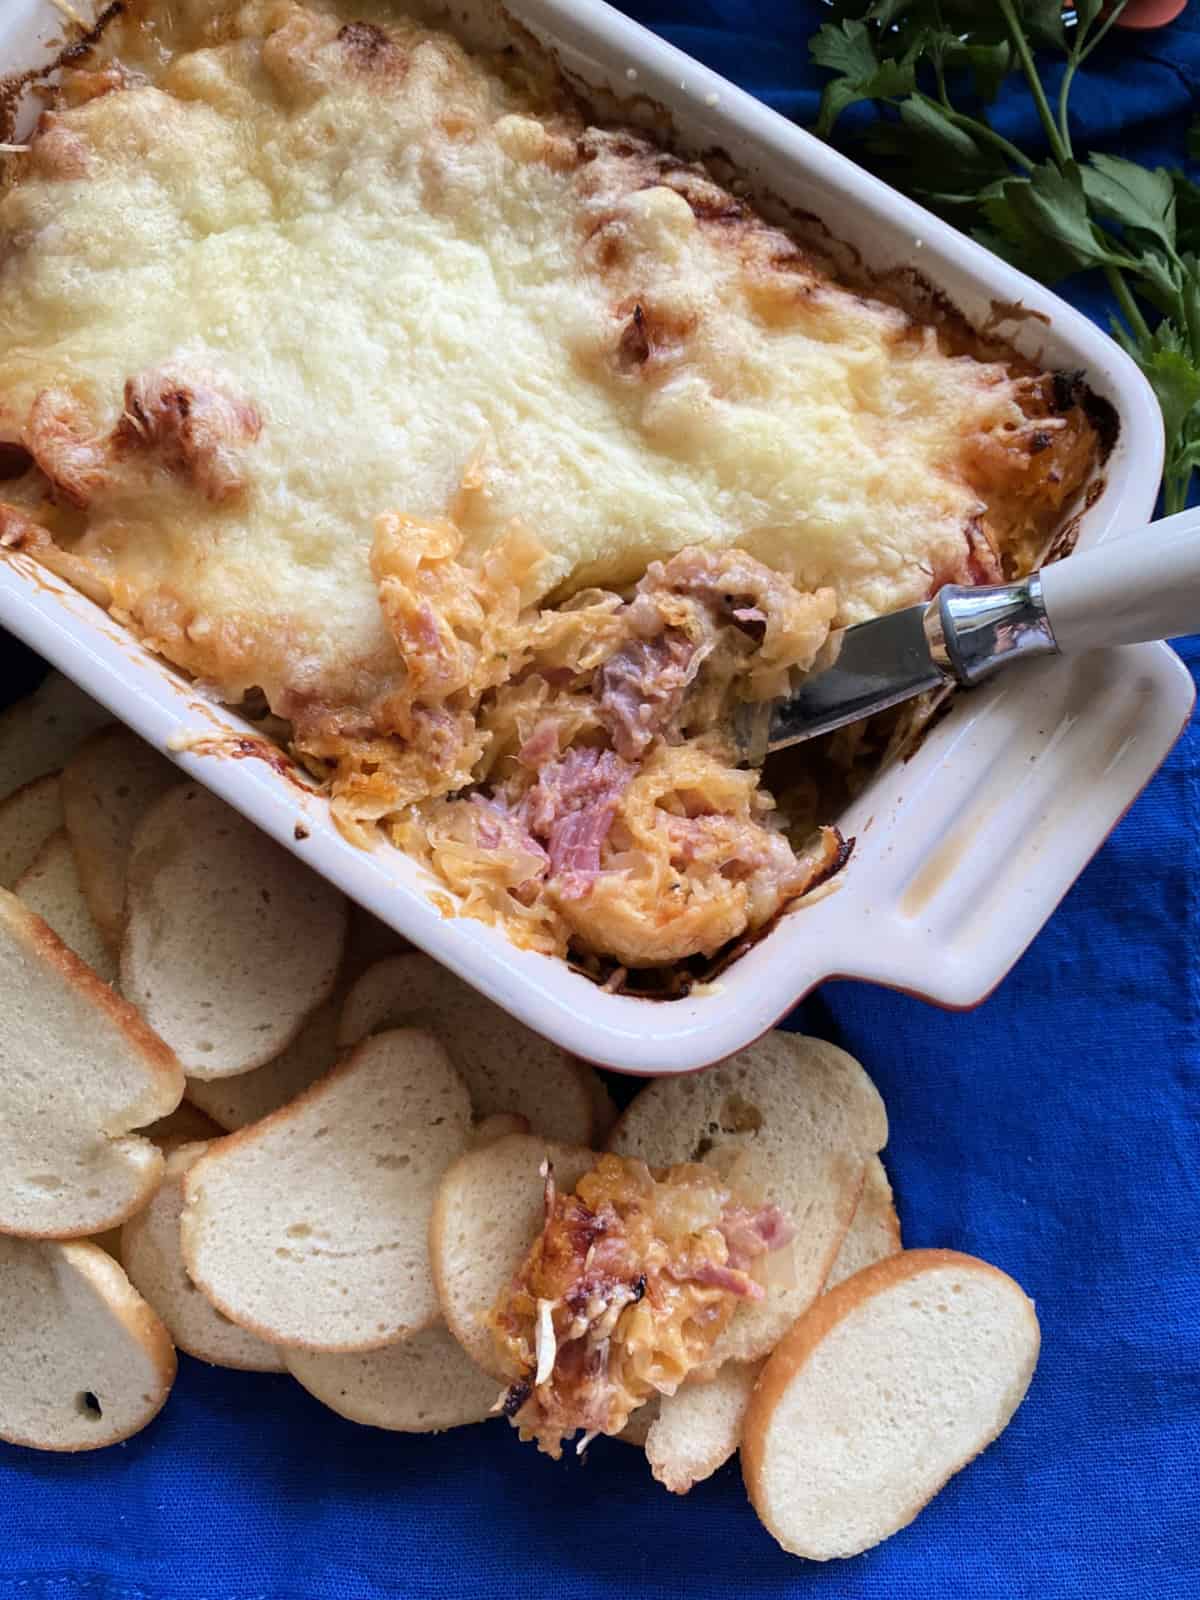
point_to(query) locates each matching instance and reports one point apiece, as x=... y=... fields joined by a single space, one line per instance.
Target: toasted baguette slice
x=84 y=1362
x=874 y=1231
x=420 y=1385
x=79 y=1071
x=41 y=731
x=881 y=1392
x=50 y=886
x=237 y=1102
x=108 y=785
x=153 y=1259
x=802 y=1119
x=28 y=817
x=229 y=942
x=689 y=1434
x=487 y=1213
x=504 y=1065
x=311 y=1227
x=184 y=1125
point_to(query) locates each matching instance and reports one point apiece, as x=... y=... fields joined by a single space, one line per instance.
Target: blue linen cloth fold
x=1054 y=1131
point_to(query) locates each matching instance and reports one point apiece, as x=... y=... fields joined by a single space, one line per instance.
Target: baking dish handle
x=1141 y=586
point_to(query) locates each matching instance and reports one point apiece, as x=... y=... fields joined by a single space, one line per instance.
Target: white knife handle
x=1143 y=586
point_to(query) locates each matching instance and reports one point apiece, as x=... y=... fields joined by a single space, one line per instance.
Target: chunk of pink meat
x=732 y=1280
x=641 y=688
x=571 y=809
x=749 y=1234
x=541 y=744
x=498 y=828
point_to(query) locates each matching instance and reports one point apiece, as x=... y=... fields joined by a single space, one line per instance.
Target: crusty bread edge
x=163 y=1069
x=665 y=1469
x=891 y=1216
x=232 y=1141
x=585 y=1081
x=158 y=1055
x=614 y=1140
x=319 y=995
x=111 y=928
x=814 y=1326
x=352 y=1414
x=141 y=1322
x=181 y=1155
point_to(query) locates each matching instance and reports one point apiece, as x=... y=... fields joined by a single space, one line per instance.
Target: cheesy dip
x=624 y=1294
x=496 y=452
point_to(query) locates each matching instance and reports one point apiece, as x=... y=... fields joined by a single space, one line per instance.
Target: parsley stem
x=1064 y=126
x=1124 y=297
x=1021 y=45
x=983 y=131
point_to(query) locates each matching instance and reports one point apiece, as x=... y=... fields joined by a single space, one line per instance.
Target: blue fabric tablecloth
x=1055 y=1131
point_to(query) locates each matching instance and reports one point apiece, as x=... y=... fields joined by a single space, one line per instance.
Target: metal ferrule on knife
x=960 y=637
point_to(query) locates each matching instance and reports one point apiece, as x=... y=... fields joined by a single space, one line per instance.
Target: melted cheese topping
x=268 y=274
x=404 y=272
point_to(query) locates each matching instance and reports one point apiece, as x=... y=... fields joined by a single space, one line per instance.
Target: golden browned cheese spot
x=369 y=49
x=193 y=428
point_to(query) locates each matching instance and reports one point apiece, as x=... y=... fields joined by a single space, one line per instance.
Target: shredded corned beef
x=732 y=1280
x=571 y=808
x=540 y=746
x=497 y=828
x=641 y=688
x=749 y=1234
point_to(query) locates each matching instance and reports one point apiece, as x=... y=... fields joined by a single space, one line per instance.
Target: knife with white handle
x=1143 y=586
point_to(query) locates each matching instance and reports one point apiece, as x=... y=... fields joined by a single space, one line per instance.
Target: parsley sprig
x=939 y=65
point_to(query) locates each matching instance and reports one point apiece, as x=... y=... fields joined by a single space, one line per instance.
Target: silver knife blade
x=859 y=671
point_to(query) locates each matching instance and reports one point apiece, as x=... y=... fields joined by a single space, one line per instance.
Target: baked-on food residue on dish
x=495 y=450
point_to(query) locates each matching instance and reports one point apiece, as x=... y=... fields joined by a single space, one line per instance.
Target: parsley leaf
x=1050 y=209
x=1175 y=380
x=943 y=162
x=1134 y=196
x=847 y=49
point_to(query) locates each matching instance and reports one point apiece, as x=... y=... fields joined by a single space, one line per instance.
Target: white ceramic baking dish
x=962 y=852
